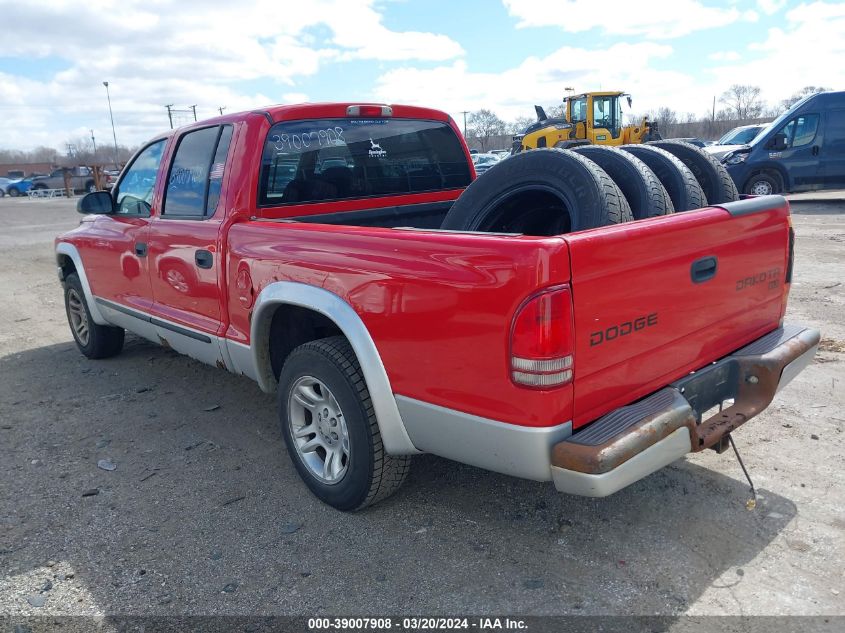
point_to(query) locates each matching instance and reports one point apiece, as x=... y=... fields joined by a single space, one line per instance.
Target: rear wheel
x=330 y=427
x=715 y=181
x=541 y=192
x=14 y=193
x=683 y=188
x=92 y=339
x=762 y=185
x=642 y=189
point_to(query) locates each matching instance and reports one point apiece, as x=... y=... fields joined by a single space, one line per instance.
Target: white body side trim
x=520 y=451
x=63 y=248
x=241 y=357
x=393 y=433
x=670 y=448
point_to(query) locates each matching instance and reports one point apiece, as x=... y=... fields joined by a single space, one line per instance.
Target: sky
x=454 y=55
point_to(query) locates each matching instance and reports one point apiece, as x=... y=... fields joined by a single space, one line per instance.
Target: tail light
x=542 y=342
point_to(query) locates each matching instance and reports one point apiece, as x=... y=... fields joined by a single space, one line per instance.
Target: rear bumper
x=686 y=416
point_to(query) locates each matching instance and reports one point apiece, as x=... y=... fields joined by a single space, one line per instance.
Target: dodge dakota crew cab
x=301 y=246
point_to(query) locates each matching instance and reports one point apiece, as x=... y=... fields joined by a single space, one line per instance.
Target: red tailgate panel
x=636 y=278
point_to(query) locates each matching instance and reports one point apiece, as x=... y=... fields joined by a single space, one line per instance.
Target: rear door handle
x=141 y=249
x=204 y=258
x=815 y=150
x=703 y=269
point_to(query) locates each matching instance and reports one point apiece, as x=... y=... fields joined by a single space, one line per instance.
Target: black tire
x=100 y=341
x=13 y=192
x=715 y=181
x=762 y=184
x=2 y=193
x=90 y=187
x=370 y=474
x=541 y=192
x=644 y=192
x=684 y=191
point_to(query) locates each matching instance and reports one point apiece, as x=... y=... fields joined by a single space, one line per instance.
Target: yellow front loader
x=592 y=117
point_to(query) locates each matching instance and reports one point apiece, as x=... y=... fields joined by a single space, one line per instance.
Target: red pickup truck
x=301 y=246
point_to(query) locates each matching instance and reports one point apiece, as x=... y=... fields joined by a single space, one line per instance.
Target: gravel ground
x=204 y=514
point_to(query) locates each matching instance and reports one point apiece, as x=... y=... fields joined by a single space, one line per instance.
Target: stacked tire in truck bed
x=557 y=191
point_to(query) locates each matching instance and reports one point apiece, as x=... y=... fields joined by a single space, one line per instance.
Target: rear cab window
x=338 y=159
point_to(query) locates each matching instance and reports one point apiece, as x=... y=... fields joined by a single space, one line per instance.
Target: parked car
x=734 y=139
x=500 y=153
x=802 y=150
x=81 y=179
x=483 y=162
x=19 y=187
x=558 y=357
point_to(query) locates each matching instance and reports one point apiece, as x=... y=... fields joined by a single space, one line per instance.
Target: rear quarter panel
x=438 y=305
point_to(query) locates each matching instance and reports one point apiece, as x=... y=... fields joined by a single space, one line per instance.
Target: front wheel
x=761 y=185
x=14 y=193
x=330 y=427
x=92 y=339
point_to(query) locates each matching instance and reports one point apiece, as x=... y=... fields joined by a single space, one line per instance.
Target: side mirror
x=96 y=202
x=778 y=142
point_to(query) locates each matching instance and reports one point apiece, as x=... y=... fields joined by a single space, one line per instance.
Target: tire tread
x=389 y=471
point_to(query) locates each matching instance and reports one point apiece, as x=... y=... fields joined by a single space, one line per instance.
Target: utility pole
x=170 y=114
x=111 y=116
x=94 y=141
x=221 y=108
x=194 y=108
x=465 y=112
x=714 y=108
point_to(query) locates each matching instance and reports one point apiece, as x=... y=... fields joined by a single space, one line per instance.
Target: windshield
x=740 y=136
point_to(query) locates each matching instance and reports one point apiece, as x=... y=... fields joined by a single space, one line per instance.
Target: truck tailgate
x=656 y=299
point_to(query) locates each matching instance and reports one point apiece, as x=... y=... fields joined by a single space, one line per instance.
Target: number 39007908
x=304 y=140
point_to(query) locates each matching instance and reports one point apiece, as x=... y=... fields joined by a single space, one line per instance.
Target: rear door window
x=196 y=173
x=336 y=159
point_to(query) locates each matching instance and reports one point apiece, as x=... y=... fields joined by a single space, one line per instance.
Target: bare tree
x=805 y=91
x=483 y=124
x=742 y=102
x=556 y=111
x=518 y=125
x=667 y=120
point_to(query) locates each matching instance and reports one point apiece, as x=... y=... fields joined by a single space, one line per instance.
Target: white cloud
x=656 y=19
x=294 y=97
x=167 y=51
x=807 y=51
x=513 y=92
x=770 y=7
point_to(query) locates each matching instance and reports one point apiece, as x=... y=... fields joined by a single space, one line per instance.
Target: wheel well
x=291 y=327
x=66 y=264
